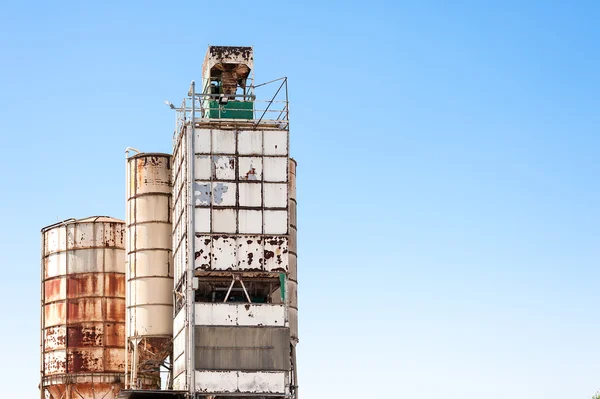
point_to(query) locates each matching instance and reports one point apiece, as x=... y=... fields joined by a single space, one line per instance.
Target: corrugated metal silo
x=83 y=308
x=149 y=265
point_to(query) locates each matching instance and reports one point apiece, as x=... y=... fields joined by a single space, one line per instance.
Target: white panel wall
x=246 y=252
x=241 y=382
x=243 y=314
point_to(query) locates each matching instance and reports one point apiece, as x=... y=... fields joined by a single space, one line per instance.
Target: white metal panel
x=202 y=141
x=212 y=314
x=203 y=245
x=87 y=261
x=262 y=382
x=275 y=195
x=260 y=315
x=250 y=221
x=151 y=290
x=179 y=382
x=275 y=222
x=241 y=314
x=251 y=194
x=224 y=167
x=223 y=253
x=179 y=322
x=55 y=362
x=152 y=236
x=224 y=221
x=202 y=220
x=250 y=142
x=275 y=169
x=216 y=381
x=223 y=141
x=202 y=167
x=202 y=193
x=56 y=265
x=249 y=251
x=152 y=263
x=224 y=194
x=179 y=366
x=241 y=382
x=150 y=319
x=56 y=240
x=275 y=142
x=150 y=208
x=250 y=168
x=276 y=254
x=179 y=344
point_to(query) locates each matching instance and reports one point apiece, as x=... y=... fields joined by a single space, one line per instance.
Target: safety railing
x=269 y=105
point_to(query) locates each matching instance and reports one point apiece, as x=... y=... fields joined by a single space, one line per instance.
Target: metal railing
x=205 y=106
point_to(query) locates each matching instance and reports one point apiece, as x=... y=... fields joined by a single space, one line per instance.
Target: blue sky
x=447 y=180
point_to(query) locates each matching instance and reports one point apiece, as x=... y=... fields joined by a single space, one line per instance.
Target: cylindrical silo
x=83 y=308
x=149 y=265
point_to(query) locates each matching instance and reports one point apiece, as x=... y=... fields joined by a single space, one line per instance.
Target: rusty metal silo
x=149 y=266
x=83 y=308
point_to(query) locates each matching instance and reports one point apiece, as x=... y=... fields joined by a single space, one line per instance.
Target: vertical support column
x=190 y=358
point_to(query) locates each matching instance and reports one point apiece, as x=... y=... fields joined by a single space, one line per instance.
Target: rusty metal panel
x=55 y=290
x=114 y=360
x=85 y=310
x=242 y=348
x=55 y=362
x=55 y=338
x=85 y=334
x=114 y=335
x=85 y=285
x=88 y=360
x=115 y=309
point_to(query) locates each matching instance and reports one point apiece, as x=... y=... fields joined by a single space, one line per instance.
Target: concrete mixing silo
x=83 y=308
x=234 y=235
x=149 y=266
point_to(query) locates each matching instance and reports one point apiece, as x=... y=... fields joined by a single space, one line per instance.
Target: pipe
x=190 y=297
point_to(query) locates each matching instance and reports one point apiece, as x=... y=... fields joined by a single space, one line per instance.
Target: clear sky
x=447 y=182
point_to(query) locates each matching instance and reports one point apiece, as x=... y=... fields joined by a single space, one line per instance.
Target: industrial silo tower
x=234 y=235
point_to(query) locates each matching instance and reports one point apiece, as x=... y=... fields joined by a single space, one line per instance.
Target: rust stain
x=85 y=310
x=114 y=285
x=85 y=335
x=115 y=309
x=53 y=291
x=84 y=285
